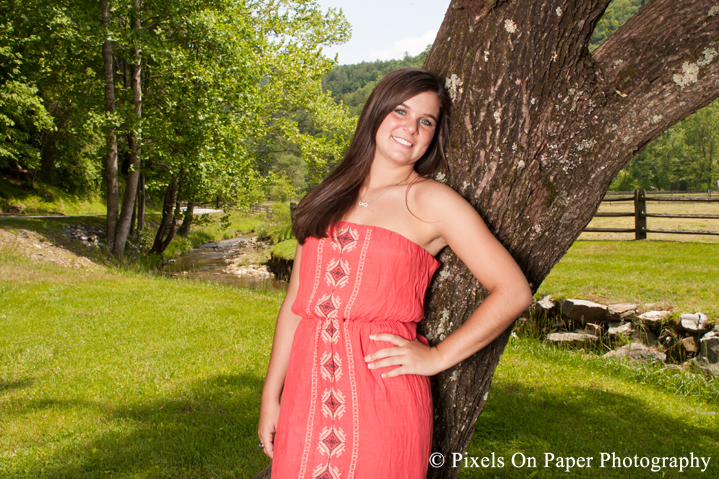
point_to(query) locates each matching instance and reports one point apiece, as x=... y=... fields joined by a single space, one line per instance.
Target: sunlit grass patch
x=682 y=276
x=127 y=375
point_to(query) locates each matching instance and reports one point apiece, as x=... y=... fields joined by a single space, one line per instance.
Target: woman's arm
x=279 y=359
x=463 y=230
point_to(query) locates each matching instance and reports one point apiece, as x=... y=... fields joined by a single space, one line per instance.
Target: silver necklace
x=362 y=203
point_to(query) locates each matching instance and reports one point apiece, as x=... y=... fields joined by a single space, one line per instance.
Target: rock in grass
x=619 y=329
x=696 y=323
x=709 y=345
x=547 y=304
x=585 y=311
x=637 y=352
x=572 y=339
x=545 y=307
x=689 y=345
x=654 y=318
x=621 y=311
x=593 y=328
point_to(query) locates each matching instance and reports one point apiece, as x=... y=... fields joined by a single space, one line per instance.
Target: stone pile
x=88 y=235
x=649 y=335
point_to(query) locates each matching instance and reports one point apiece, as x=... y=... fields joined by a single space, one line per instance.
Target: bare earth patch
x=22 y=242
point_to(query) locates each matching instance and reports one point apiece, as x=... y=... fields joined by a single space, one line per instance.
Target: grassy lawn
x=682 y=276
x=106 y=374
x=122 y=375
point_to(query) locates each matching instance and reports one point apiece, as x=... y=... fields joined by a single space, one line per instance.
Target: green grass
x=284 y=250
x=45 y=200
x=124 y=375
x=681 y=276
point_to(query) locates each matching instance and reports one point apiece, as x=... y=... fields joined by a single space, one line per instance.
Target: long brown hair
x=329 y=202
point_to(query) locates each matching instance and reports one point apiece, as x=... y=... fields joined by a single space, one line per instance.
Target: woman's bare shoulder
x=435 y=198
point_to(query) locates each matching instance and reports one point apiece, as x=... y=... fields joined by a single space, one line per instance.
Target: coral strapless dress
x=338 y=418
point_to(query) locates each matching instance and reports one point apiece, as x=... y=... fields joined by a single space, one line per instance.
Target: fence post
x=640 y=220
x=293 y=207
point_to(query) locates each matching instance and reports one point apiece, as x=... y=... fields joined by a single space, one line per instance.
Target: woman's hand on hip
x=413 y=357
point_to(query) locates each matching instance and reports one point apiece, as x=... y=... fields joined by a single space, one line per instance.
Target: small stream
x=213 y=263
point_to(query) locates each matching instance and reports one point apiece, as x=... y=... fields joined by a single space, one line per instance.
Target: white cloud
x=411 y=45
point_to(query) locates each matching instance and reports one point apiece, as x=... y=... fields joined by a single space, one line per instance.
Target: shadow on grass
x=584 y=422
x=210 y=431
x=7 y=386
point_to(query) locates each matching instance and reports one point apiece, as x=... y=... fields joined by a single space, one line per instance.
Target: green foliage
x=22 y=112
x=618 y=12
x=623 y=182
x=685 y=157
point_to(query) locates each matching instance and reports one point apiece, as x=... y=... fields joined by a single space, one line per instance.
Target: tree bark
x=166 y=230
x=111 y=139
x=141 y=206
x=184 y=230
x=128 y=201
x=540 y=128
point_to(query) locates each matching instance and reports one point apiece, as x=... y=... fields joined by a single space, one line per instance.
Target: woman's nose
x=410 y=125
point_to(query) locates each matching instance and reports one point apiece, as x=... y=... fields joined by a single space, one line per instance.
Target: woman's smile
x=402 y=141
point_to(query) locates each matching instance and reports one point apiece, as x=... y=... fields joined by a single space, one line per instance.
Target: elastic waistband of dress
x=360 y=321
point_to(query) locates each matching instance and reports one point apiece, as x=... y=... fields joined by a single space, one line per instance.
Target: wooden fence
x=640 y=199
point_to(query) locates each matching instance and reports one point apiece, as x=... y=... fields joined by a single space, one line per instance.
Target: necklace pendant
x=363 y=204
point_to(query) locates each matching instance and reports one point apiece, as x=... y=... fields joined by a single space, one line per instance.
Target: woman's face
x=406 y=133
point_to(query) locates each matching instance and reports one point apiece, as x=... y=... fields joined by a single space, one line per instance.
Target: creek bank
x=630 y=330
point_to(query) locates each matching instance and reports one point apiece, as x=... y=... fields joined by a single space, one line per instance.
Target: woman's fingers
x=266 y=438
x=390 y=338
x=412 y=357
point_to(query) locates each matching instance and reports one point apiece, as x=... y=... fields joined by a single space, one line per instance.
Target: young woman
x=347 y=392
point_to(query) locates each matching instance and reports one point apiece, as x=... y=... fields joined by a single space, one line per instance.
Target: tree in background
x=683 y=158
x=167 y=92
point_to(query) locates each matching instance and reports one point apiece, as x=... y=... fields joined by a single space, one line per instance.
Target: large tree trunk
x=111 y=140
x=128 y=200
x=166 y=230
x=540 y=128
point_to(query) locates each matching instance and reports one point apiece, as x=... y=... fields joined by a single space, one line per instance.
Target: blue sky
x=384 y=30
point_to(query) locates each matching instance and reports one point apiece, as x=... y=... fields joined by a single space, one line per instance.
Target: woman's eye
x=426 y=122
x=400 y=111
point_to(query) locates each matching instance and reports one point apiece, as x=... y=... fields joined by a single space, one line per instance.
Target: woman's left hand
x=413 y=357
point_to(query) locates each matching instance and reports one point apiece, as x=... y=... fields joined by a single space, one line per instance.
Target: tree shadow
x=585 y=422
x=208 y=430
x=7 y=386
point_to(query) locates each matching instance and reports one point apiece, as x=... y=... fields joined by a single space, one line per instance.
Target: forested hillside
x=352 y=84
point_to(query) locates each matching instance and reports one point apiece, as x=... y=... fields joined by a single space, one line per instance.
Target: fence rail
x=640 y=215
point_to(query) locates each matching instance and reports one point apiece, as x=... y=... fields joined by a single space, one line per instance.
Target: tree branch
x=649 y=72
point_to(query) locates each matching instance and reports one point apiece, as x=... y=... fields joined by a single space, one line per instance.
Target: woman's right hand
x=269 y=414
